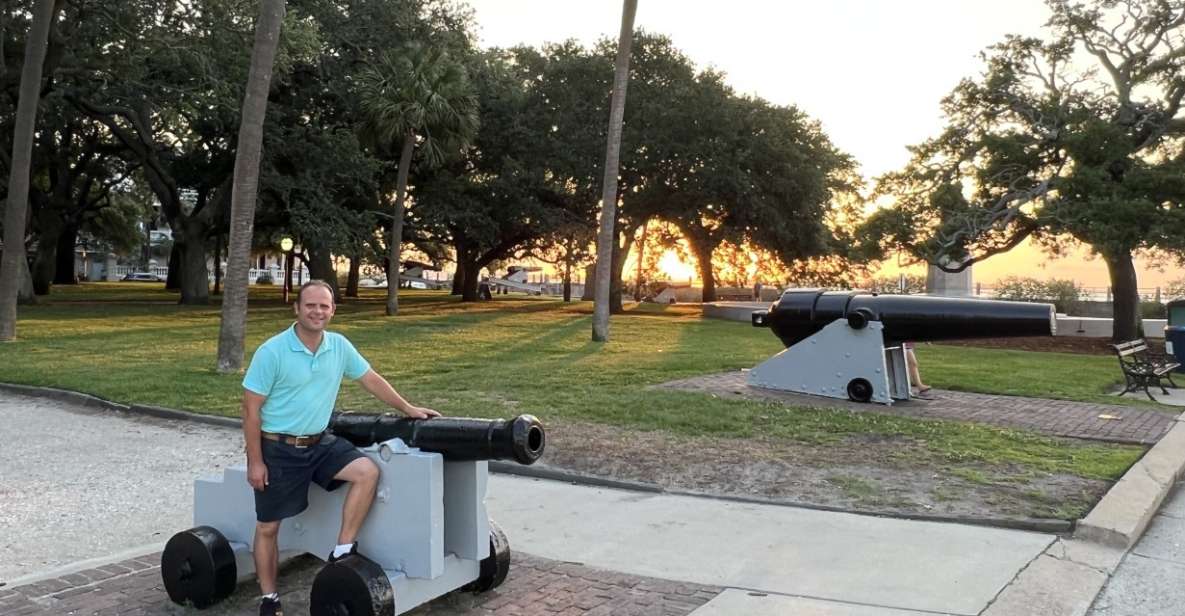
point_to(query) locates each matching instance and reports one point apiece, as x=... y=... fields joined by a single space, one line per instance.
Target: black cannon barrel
x=521 y=439
x=799 y=313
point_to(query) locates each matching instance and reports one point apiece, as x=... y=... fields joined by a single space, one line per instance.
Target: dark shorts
x=290 y=470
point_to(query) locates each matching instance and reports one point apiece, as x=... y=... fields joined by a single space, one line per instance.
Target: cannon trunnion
x=848 y=344
x=427 y=532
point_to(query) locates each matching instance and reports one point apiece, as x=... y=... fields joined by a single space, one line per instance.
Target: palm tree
x=605 y=239
x=246 y=183
x=420 y=98
x=14 y=270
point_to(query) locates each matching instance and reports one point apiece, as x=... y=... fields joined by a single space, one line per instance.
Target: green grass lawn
x=131 y=343
x=1066 y=376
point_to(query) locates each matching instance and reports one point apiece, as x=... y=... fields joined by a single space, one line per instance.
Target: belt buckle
x=301 y=442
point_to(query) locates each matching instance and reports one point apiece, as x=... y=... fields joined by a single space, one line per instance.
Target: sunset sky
x=871 y=71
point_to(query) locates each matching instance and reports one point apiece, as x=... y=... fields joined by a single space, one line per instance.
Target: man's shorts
x=290 y=470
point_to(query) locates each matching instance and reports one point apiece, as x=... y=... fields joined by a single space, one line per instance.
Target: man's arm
x=381 y=389
x=252 y=436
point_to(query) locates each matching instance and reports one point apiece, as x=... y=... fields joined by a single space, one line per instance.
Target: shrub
x=1063 y=294
x=891 y=285
x=1153 y=310
x=264 y=278
x=1174 y=289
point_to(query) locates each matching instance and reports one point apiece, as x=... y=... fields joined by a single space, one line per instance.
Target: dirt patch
x=1053 y=344
x=874 y=474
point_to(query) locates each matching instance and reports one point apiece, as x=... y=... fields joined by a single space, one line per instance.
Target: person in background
x=919 y=389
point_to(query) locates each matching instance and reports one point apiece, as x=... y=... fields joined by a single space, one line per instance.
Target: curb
x=1067 y=577
x=1063 y=580
x=1123 y=514
x=64 y=395
x=164 y=413
x=89 y=401
x=1058 y=527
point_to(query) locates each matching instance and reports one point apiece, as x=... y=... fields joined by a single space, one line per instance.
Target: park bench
x=1142 y=367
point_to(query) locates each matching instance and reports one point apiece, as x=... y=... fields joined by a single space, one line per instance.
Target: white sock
x=342 y=549
x=275 y=596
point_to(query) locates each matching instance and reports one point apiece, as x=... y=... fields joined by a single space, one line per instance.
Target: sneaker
x=270 y=607
x=353 y=552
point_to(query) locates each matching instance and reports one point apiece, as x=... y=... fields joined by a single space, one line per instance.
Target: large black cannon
x=849 y=343
x=521 y=439
x=799 y=313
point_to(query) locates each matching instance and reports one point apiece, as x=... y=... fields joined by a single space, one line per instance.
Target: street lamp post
x=286 y=247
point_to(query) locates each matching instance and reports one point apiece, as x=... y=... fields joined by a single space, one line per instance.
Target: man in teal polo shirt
x=289 y=393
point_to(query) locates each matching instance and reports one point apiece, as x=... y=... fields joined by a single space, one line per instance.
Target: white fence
x=276 y=274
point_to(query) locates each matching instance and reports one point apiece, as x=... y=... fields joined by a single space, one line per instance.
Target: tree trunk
x=567 y=281
x=195 y=278
x=45 y=259
x=409 y=142
x=641 y=254
x=173 y=279
x=606 y=240
x=621 y=253
x=616 y=287
x=218 y=264
x=707 y=277
x=352 y=278
x=13 y=265
x=64 y=270
x=704 y=249
x=321 y=268
x=590 y=283
x=1126 y=302
x=458 y=278
x=469 y=284
x=246 y=185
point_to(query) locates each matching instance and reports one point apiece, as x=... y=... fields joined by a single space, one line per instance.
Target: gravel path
x=63 y=466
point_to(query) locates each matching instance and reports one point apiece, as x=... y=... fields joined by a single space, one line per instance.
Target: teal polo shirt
x=300 y=386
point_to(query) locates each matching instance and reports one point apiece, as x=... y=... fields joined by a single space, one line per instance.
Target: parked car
x=142 y=277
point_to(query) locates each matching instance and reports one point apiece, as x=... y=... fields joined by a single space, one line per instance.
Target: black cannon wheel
x=198 y=567
x=860 y=390
x=495 y=566
x=352 y=586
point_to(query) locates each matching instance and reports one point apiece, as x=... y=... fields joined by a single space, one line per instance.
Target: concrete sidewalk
x=105 y=482
x=875 y=562
x=1148 y=581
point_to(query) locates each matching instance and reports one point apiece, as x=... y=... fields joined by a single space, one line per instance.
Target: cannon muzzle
x=801 y=313
x=521 y=439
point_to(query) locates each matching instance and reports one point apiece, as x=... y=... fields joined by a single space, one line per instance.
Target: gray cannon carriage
x=427 y=532
x=849 y=344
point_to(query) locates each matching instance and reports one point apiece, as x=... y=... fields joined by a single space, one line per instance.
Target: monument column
x=946 y=284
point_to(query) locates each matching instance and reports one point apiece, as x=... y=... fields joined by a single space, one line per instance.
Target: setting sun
x=674 y=268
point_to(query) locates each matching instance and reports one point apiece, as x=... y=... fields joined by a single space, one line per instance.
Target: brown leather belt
x=298 y=441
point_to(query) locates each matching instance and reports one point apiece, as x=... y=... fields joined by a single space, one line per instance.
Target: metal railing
x=1095 y=294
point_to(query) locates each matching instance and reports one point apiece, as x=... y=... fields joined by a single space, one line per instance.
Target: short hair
x=316 y=283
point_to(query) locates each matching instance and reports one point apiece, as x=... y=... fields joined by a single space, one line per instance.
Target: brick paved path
x=1123 y=424
x=535 y=586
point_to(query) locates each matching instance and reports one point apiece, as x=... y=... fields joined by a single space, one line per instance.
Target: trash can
x=1174 y=332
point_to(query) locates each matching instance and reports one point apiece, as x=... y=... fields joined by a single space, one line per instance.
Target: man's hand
x=419 y=412
x=257 y=476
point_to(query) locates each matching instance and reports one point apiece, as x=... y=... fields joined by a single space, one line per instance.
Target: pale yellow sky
x=871 y=71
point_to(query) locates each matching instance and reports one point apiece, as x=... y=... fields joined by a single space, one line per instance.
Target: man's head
x=314 y=306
